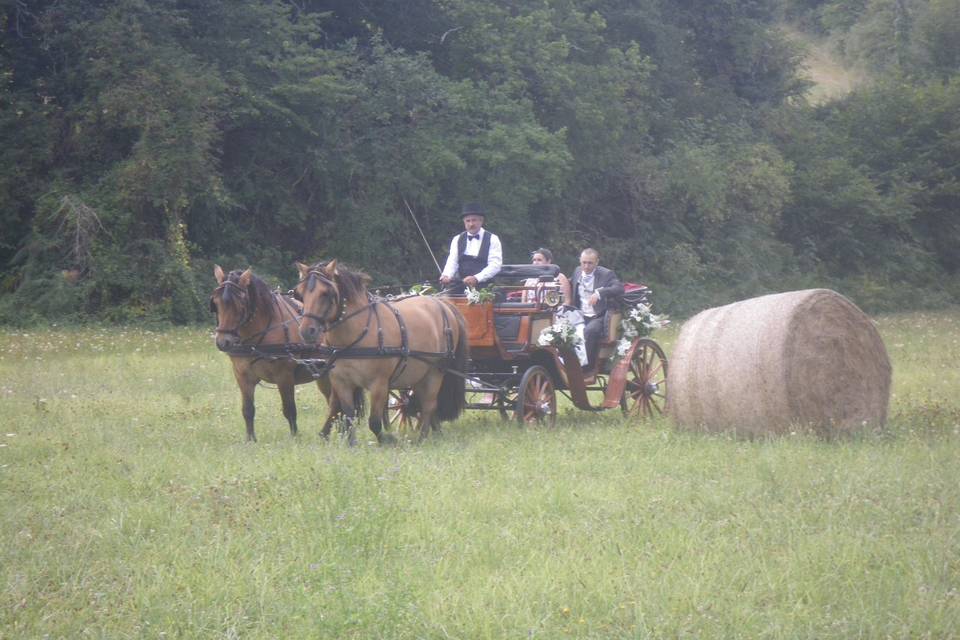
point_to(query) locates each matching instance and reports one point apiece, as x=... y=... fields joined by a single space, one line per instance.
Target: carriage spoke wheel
x=503 y=404
x=645 y=395
x=399 y=416
x=536 y=398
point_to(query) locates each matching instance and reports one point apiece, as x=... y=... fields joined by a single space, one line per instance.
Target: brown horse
x=260 y=330
x=417 y=343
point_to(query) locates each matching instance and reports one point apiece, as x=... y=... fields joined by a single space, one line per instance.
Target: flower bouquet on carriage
x=479 y=296
x=563 y=333
x=638 y=321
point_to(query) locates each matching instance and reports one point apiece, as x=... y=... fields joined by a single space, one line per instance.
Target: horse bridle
x=250 y=307
x=338 y=301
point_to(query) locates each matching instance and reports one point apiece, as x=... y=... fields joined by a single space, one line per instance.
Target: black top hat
x=473 y=209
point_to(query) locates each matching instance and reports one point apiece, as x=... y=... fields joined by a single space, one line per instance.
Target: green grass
x=133 y=508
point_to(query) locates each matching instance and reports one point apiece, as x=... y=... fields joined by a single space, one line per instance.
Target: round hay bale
x=778 y=362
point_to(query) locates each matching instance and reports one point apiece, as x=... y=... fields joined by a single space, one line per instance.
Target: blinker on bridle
x=333 y=291
x=249 y=312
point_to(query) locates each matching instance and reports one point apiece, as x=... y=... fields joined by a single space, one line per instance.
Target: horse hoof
x=387 y=439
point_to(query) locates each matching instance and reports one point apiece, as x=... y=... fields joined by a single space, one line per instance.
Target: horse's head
x=320 y=294
x=328 y=291
x=234 y=303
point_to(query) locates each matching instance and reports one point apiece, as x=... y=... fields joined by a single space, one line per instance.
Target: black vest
x=472 y=265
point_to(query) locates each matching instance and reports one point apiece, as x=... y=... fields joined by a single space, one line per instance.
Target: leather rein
x=252 y=346
x=352 y=351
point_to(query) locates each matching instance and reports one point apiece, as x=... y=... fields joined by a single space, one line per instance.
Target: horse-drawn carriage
x=410 y=352
x=510 y=372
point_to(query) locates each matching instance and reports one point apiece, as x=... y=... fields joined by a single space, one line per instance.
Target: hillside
x=831 y=78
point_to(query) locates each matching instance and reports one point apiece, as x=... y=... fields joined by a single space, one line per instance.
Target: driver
x=475 y=254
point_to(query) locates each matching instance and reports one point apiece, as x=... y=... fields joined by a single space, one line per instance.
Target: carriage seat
x=613 y=327
x=524 y=271
x=512 y=305
x=512 y=277
x=609 y=343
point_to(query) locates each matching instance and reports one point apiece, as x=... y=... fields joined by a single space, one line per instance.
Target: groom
x=595 y=290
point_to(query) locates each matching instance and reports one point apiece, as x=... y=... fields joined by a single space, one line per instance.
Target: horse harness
x=252 y=346
x=403 y=352
x=251 y=309
x=326 y=356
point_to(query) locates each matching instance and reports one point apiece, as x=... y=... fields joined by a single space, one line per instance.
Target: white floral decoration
x=638 y=321
x=559 y=334
x=479 y=296
x=425 y=289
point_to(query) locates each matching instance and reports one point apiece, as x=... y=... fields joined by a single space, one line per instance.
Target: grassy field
x=132 y=508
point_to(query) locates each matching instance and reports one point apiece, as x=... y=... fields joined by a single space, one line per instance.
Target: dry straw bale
x=770 y=364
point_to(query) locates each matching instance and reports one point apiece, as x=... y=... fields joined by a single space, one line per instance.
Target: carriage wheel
x=505 y=401
x=399 y=416
x=536 y=398
x=645 y=395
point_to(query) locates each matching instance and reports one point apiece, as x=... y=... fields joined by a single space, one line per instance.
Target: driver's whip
x=439 y=270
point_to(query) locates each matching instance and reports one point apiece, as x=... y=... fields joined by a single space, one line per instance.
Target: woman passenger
x=543 y=256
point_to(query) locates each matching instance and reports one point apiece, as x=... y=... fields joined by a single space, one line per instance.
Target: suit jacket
x=606 y=283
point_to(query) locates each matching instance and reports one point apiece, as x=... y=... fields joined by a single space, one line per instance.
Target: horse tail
x=452 y=398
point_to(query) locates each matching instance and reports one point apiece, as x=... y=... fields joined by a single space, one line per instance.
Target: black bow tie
x=476 y=237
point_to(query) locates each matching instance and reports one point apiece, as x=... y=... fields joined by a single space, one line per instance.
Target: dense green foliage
x=143 y=141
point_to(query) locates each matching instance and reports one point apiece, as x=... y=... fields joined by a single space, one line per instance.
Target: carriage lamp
x=551 y=297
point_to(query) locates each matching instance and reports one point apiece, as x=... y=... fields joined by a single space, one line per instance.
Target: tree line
x=144 y=141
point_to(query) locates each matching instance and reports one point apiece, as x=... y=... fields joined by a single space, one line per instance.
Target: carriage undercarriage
x=528 y=392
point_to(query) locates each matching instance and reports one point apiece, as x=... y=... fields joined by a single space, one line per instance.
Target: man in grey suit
x=595 y=291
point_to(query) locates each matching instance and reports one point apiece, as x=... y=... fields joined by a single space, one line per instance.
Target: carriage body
x=513 y=374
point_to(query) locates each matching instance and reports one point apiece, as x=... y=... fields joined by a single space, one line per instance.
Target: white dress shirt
x=586 y=286
x=494 y=257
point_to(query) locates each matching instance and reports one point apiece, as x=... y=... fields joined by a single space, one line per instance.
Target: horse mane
x=258 y=291
x=352 y=284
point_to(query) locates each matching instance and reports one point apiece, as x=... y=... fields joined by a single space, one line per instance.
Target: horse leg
x=288 y=398
x=248 y=384
x=248 y=409
x=378 y=407
x=344 y=393
x=333 y=413
x=333 y=407
x=426 y=391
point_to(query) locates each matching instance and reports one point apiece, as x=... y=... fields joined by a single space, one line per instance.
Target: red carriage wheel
x=645 y=395
x=400 y=416
x=536 y=398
